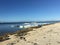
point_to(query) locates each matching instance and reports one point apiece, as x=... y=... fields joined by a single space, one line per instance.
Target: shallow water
x=8 y=28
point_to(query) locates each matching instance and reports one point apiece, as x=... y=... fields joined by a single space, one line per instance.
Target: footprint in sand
x=33 y=43
x=48 y=43
x=58 y=42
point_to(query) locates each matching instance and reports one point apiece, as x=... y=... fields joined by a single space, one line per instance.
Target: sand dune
x=46 y=35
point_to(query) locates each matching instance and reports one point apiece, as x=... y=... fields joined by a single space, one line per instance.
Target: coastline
x=40 y=36
x=18 y=33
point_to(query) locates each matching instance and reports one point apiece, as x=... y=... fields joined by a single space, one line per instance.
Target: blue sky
x=29 y=10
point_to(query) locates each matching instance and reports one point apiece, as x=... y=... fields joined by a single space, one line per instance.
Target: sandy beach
x=46 y=35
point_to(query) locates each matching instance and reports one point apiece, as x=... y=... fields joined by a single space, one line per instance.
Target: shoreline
x=21 y=29
x=22 y=32
x=18 y=32
x=30 y=35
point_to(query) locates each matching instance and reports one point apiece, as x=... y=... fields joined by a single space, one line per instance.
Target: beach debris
x=10 y=43
x=35 y=44
x=4 y=37
x=23 y=38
